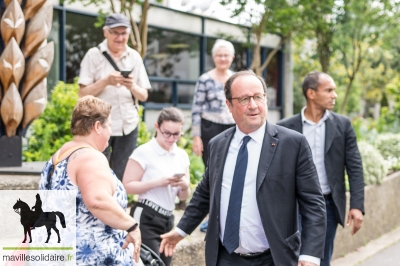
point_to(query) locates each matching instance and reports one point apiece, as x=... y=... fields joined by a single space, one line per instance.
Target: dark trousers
x=208 y=131
x=226 y=259
x=152 y=225
x=331 y=226
x=118 y=151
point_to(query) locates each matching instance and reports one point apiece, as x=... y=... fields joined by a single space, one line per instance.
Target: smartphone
x=125 y=72
x=179 y=175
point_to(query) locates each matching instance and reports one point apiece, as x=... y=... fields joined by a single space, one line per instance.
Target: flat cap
x=117 y=20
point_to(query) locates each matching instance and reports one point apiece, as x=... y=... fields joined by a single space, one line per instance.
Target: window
x=81 y=35
x=172 y=55
x=273 y=80
x=54 y=74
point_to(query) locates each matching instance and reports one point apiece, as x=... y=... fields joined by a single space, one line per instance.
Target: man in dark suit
x=334 y=146
x=257 y=173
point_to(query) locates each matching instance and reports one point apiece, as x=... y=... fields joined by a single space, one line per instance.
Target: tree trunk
x=323 y=48
x=346 y=97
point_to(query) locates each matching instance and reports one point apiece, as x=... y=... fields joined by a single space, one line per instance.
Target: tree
x=321 y=21
x=281 y=17
x=361 y=29
x=138 y=35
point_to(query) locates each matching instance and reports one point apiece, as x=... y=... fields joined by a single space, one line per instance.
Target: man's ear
x=229 y=104
x=310 y=93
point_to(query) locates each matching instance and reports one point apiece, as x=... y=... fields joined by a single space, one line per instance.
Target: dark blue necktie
x=231 y=234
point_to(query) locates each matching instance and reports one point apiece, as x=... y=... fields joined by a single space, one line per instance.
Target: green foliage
x=389 y=146
x=196 y=162
x=374 y=165
x=143 y=134
x=52 y=129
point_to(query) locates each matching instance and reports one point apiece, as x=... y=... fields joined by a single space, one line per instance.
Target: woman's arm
x=97 y=185
x=184 y=185
x=132 y=179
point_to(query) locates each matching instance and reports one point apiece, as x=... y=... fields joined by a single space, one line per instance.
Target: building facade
x=178 y=52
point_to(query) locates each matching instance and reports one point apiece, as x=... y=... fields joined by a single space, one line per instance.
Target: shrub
x=143 y=134
x=52 y=129
x=374 y=166
x=389 y=146
x=196 y=162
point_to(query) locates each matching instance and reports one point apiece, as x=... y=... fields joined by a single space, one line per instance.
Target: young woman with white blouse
x=158 y=171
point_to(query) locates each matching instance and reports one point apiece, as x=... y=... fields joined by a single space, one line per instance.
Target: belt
x=254 y=255
x=155 y=207
x=328 y=196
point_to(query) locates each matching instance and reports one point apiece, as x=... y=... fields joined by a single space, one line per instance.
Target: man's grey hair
x=107 y=28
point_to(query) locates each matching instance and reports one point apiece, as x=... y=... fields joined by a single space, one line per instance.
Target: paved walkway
x=384 y=251
x=388 y=257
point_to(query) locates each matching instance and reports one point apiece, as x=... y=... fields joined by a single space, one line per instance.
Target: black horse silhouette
x=31 y=219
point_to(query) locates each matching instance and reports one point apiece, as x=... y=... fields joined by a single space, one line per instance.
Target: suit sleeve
x=311 y=204
x=354 y=169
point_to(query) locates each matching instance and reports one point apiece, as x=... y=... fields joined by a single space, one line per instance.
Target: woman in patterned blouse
x=210 y=115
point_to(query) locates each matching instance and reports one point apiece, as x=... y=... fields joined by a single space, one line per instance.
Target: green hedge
x=389 y=146
x=52 y=129
x=374 y=165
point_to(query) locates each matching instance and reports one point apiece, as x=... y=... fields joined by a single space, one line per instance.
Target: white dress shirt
x=252 y=237
x=315 y=135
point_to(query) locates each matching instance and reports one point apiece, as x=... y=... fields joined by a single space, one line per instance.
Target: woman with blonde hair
x=103 y=228
x=158 y=171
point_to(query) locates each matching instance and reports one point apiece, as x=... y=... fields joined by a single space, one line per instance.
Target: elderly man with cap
x=115 y=73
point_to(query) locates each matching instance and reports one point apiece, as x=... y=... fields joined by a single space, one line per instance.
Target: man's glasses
x=117 y=34
x=258 y=98
x=167 y=134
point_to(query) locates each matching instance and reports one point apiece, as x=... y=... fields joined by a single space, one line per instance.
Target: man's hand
x=115 y=79
x=169 y=241
x=128 y=82
x=135 y=238
x=306 y=263
x=356 y=217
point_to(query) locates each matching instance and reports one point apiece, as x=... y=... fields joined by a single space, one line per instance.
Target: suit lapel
x=269 y=146
x=222 y=153
x=330 y=131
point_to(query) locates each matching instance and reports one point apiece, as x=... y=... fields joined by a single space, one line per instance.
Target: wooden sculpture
x=23 y=93
x=32 y=7
x=37 y=68
x=12 y=65
x=11 y=110
x=38 y=29
x=13 y=23
x=35 y=103
x=7 y=2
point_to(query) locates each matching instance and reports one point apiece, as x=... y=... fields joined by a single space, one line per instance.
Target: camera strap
x=114 y=65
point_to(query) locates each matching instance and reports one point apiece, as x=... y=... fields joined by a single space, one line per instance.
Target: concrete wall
x=382 y=209
x=382 y=214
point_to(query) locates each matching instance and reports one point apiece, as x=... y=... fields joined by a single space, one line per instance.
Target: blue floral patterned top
x=96 y=242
